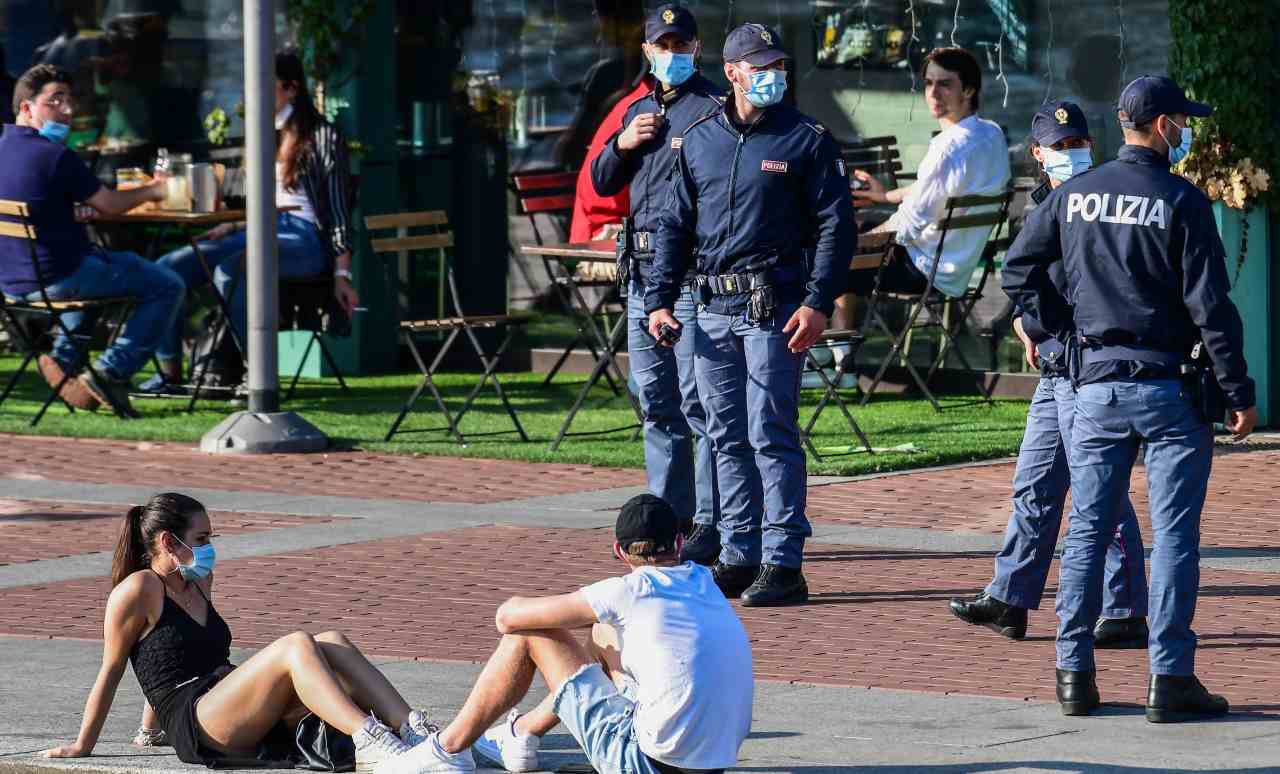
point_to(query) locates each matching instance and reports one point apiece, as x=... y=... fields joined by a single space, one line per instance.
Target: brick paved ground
x=878 y=617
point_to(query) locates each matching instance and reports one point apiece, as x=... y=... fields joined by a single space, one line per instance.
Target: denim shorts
x=600 y=718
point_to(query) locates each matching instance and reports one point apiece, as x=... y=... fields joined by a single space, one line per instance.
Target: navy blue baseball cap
x=649 y=518
x=755 y=44
x=1058 y=121
x=670 y=19
x=1149 y=96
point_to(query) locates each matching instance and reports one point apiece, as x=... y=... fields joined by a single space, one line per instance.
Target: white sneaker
x=377 y=747
x=503 y=746
x=428 y=757
x=416 y=729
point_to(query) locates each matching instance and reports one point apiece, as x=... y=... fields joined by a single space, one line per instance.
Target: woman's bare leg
x=604 y=649
x=367 y=686
x=239 y=711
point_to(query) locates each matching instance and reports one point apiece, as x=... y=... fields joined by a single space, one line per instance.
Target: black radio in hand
x=668 y=335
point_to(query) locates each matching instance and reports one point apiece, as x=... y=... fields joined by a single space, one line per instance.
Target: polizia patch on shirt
x=676 y=142
x=773 y=166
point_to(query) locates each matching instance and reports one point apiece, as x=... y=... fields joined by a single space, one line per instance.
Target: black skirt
x=183 y=731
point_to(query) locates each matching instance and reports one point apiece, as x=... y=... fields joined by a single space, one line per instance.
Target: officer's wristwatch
x=343 y=273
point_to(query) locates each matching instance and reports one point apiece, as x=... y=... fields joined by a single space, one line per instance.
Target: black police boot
x=702 y=546
x=775 y=586
x=1078 y=692
x=733 y=579
x=986 y=610
x=1175 y=698
x=1120 y=633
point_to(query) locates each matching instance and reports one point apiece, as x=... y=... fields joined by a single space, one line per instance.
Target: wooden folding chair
x=14 y=312
x=551 y=194
x=872 y=250
x=440 y=239
x=877 y=156
x=939 y=310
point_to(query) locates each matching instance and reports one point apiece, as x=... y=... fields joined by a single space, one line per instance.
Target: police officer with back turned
x=1146 y=289
x=677 y=453
x=761 y=196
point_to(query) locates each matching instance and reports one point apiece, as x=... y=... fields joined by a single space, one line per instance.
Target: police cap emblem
x=1061 y=115
x=669 y=16
x=766 y=37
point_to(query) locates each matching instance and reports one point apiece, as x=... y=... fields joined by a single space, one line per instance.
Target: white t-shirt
x=969 y=158
x=690 y=658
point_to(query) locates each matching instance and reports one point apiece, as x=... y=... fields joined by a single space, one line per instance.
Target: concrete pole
x=262 y=264
x=263 y=429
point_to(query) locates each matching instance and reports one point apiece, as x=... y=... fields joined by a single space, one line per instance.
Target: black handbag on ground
x=321 y=747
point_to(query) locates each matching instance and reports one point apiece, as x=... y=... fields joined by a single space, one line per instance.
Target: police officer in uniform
x=1061 y=145
x=761 y=197
x=1146 y=284
x=642 y=156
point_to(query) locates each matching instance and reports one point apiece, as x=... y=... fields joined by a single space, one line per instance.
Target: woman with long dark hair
x=313 y=176
x=160 y=619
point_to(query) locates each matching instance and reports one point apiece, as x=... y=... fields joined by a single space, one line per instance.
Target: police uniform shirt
x=757 y=199
x=1144 y=266
x=647 y=169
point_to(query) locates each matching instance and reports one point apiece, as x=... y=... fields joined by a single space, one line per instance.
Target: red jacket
x=591 y=211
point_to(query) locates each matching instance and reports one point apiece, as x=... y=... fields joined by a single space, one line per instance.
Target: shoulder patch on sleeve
x=817 y=128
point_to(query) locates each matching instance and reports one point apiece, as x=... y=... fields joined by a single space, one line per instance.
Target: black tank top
x=177 y=652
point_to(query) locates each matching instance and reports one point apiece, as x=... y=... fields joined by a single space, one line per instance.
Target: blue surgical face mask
x=767 y=87
x=1179 y=152
x=202 y=560
x=671 y=68
x=1063 y=165
x=54 y=131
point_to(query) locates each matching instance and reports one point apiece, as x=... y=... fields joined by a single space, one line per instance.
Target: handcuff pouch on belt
x=1202 y=383
x=762 y=304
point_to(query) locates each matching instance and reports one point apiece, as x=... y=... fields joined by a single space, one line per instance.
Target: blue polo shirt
x=51 y=179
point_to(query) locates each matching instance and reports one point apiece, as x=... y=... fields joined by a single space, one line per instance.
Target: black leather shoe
x=986 y=610
x=1120 y=633
x=733 y=579
x=702 y=545
x=1078 y=692
x=1175 y=698
x=777 y=586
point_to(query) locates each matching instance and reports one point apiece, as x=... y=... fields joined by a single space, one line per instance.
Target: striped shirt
x=326 y=178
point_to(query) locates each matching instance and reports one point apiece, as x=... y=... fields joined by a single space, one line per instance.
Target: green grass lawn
x=361 y=418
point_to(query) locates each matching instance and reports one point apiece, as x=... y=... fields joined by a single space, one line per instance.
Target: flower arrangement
x=1235 y=183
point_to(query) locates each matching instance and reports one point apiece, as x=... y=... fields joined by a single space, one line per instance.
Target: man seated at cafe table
x=42 y=171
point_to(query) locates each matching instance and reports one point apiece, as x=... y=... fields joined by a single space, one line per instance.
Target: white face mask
x=283 y=114
x=1063 y=165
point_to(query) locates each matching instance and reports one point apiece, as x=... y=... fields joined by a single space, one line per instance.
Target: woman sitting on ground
x=160 y=618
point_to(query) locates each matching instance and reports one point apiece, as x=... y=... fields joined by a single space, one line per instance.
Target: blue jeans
x=750 y=386
x=602 y=720
x=103 y=274
x=301 y=251
x=1040 y=484
x=1112 y=418
x=677 y=453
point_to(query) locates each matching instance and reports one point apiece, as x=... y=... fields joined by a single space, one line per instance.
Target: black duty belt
x=1098 y=353
x=732 y=284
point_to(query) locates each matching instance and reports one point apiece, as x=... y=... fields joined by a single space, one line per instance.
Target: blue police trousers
x=750 y=386
x=678 y=460
x=1040 y=483
x=1112 y=418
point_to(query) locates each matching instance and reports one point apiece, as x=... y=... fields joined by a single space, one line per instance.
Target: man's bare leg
x=555 y=653
x=604 y=650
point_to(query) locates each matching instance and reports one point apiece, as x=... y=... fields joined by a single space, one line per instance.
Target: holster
x=762 y=304
x=624 y=255
x=1202 y=384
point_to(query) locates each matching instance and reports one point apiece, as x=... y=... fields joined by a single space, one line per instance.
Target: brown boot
x=73 y=391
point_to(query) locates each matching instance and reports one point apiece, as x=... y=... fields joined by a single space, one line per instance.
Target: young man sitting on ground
x=664 y=631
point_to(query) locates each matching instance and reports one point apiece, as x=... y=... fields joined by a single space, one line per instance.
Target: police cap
x=755 y=44
x=1149 y=96
x=670 y=19
x=1058 y=121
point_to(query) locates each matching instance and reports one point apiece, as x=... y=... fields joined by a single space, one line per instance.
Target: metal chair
x=939 y=310
x=440 y=239
x=13 y=312
x=551 y=194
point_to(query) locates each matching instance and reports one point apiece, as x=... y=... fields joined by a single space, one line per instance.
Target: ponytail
x=167 y=512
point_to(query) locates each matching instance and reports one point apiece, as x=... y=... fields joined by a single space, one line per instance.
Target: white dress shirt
x=969 y=158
